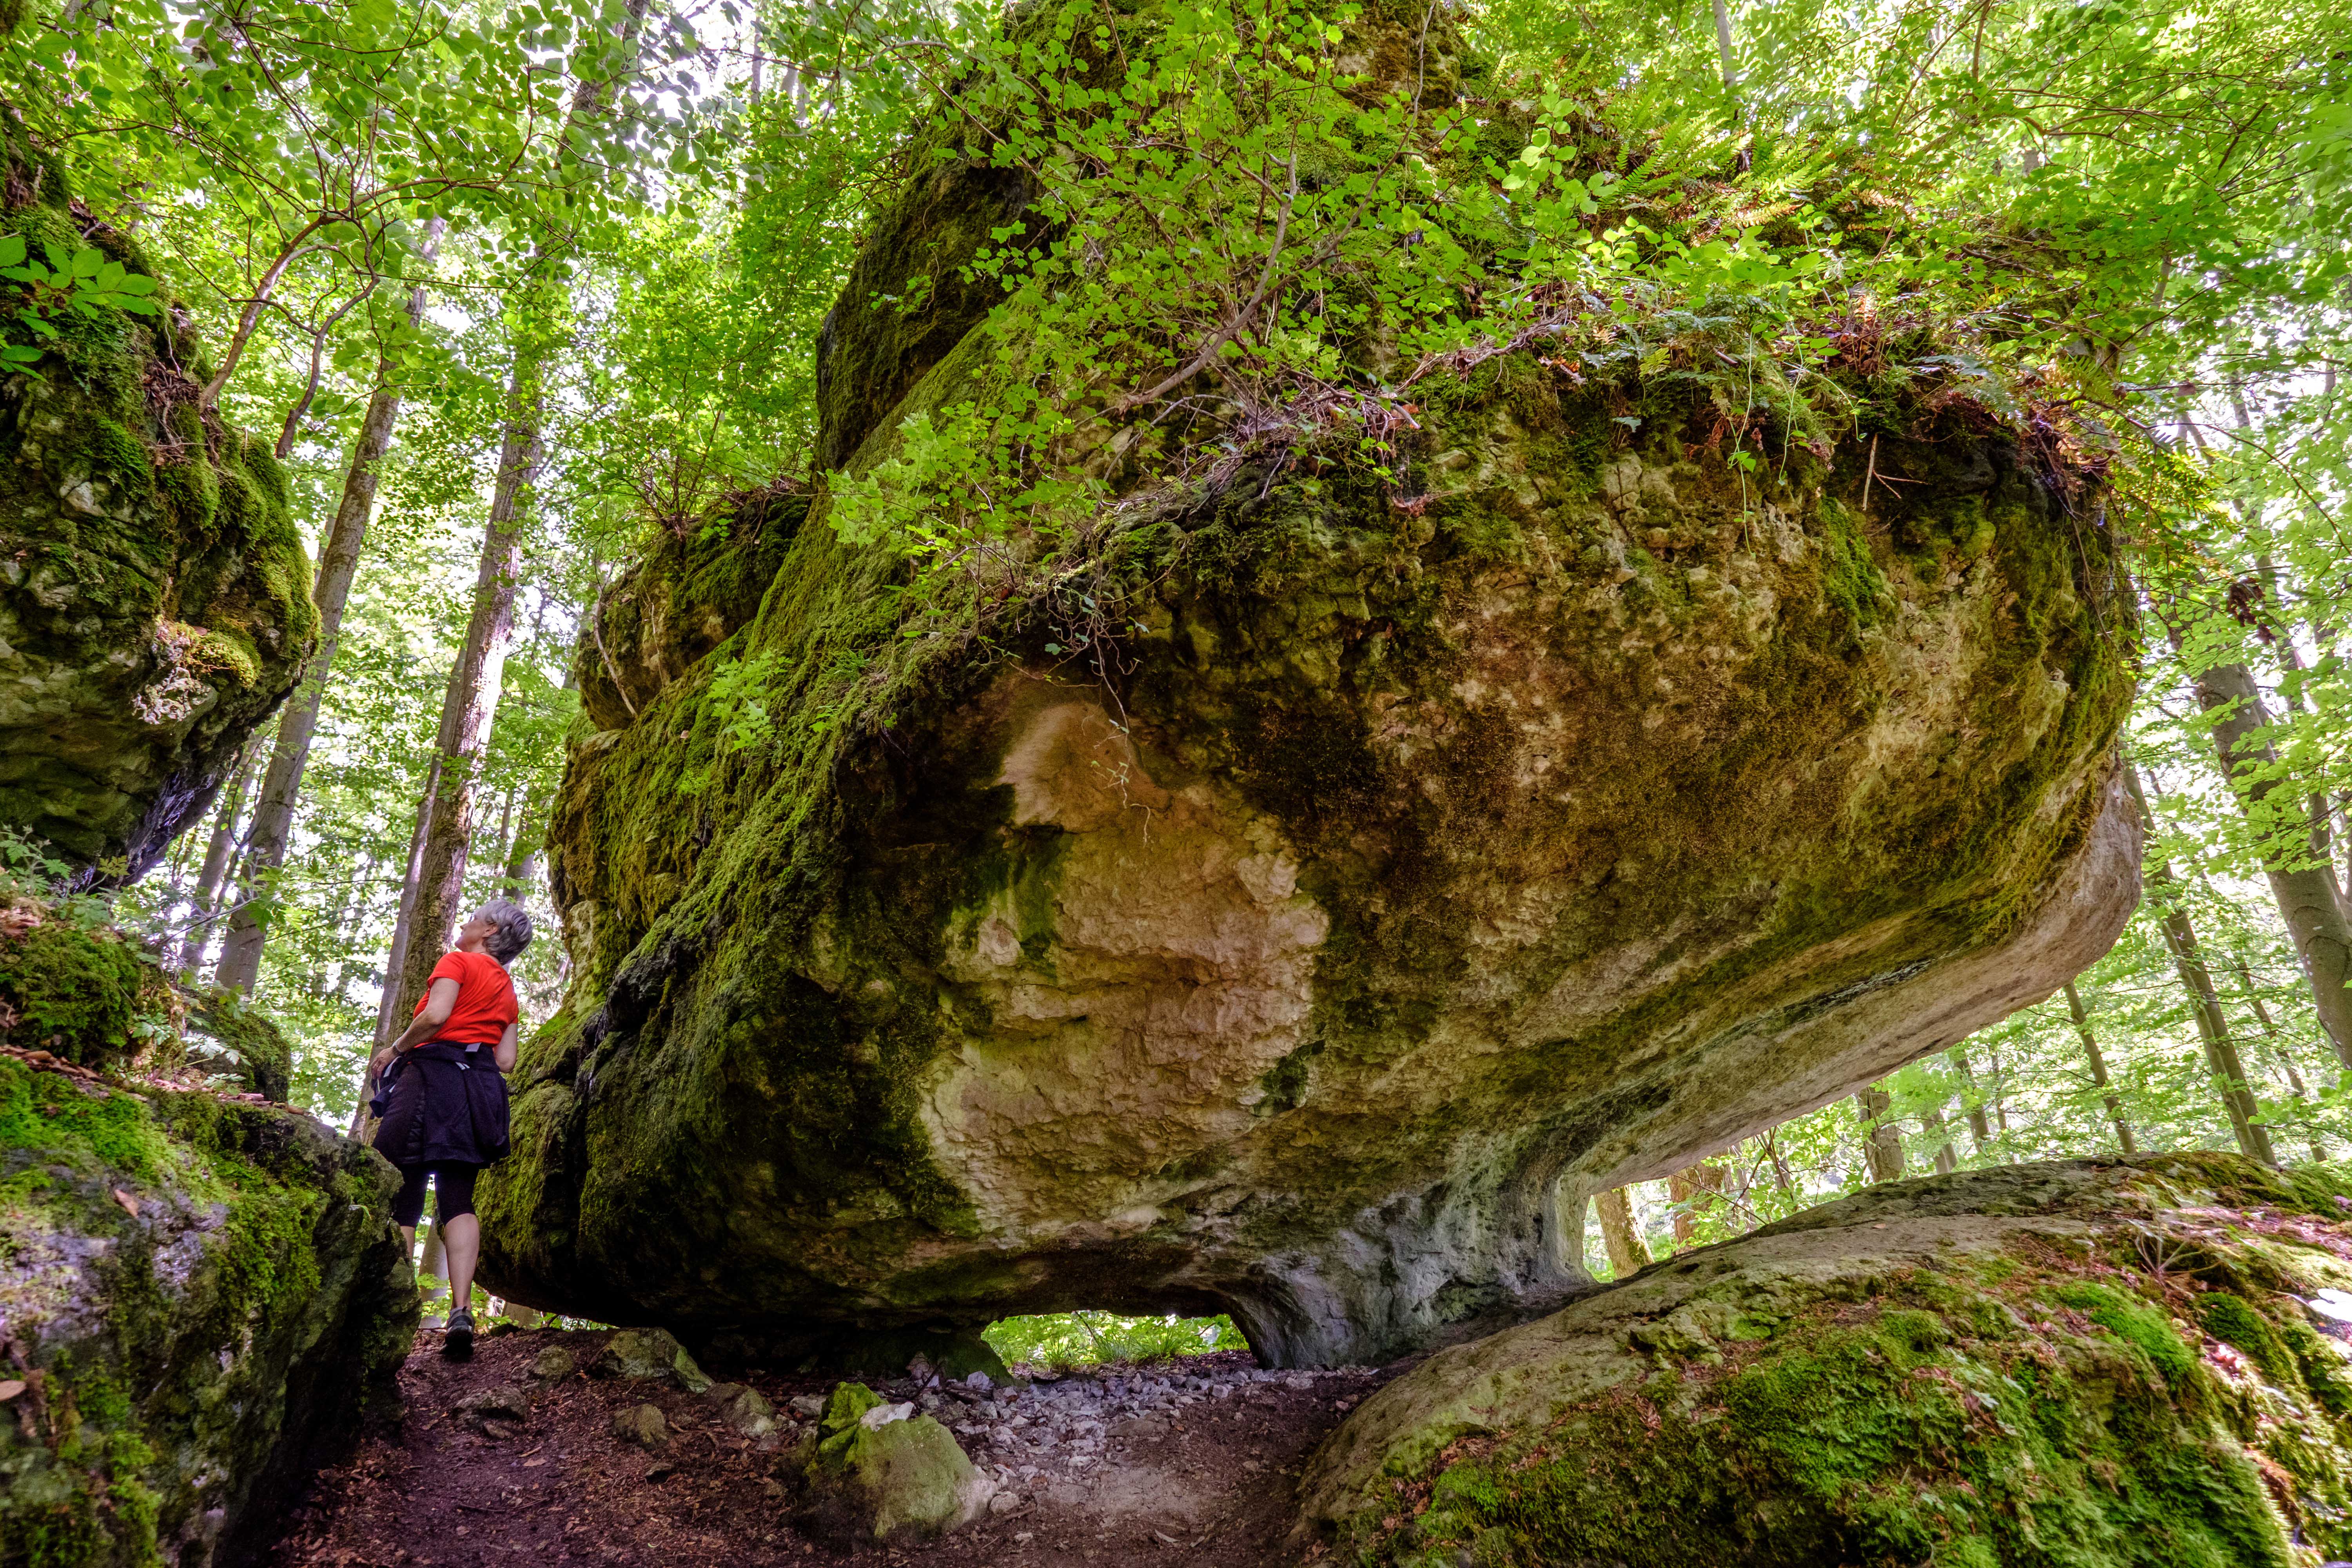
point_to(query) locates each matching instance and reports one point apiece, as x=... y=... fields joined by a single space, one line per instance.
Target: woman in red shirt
x=445 y=1111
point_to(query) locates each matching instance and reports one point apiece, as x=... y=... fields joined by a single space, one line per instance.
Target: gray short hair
x=507 y=942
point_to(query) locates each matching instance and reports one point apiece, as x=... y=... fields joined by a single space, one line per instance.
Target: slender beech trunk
x=1724 y=54
x=2099 y=1067
x=273 y=817
x=2316 y=811
x=217 y=854
x=446 y=813
x=2212 y=1024
x=342 y=917
x=435 y=889
x=1947 y=1159
x=2276 y=1046
x=1683 y=1188
x=1881 y=1141
x=1979 y=1129
x=2305 y=892
x=1622 y=1238
x=521 y=872
x=1780 y=1177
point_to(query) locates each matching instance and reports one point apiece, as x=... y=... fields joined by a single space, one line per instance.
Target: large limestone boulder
x=1305 y=895
x=2079 y=1363
x=199 y=1300
x=1429 y=872
x=154 y=595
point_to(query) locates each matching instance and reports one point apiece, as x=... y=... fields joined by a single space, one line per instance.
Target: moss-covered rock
x=202 y=1299
x=1411 y=854
x=875 y=1468
x=229 y=1040
x=68 y=989
x=640 y=1353
x=1433 y=869
x=689 y=594
x=154 y=596
x=2082 y=1363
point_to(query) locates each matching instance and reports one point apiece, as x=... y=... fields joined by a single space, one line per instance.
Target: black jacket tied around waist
x=447 y=1105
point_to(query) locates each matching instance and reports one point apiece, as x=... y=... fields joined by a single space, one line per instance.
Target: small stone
x=881 y=1416
x=1003 y=1503
x=747 y=1410
x=647 y=1353
x=980 y=1382
x=642 y=1425
x=553 y=1365
x=810 y=1404
x=482 y=1409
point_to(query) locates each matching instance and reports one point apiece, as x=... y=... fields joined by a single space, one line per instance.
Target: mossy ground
x=2147 y=1392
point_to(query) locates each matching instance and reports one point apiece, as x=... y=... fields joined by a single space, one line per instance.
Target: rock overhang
x=1428 y=869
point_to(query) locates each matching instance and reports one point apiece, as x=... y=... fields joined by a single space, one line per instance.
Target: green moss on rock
x=1980 y=1369
x=154 y=596
x=208 y=1295
x=71 y=991
x=878 y=1470
x=1409 y=854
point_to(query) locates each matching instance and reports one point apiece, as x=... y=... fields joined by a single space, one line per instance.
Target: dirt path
x=1192 y=1463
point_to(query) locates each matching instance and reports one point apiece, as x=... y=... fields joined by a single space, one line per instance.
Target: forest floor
x=1190 y=1462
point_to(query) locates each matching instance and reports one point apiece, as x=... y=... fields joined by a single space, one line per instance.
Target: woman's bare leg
x=461 y=1242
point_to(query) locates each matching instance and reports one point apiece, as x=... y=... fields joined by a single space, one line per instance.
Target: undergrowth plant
x=1095 y=1338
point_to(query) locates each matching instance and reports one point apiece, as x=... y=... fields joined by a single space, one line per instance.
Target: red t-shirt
x=485 y=998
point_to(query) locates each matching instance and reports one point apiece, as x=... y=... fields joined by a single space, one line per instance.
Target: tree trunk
x=2212 y=1024
x=447 y=812
x=218 y=852
x=2000 y=1077
x=2316 y=807
x=1780 y=1177
x=1684 y=1187
x=1979 y=1129
x=1947 y=1159
x=436 y=885
x=2276 y=1046
x=339 y=560
x=1622 y=1238
x=2099 y=1067
x=2306 y=893
x=521 y=872
x=1881 y=1141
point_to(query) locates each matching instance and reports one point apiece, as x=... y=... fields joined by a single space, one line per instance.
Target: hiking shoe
x=458 y=1343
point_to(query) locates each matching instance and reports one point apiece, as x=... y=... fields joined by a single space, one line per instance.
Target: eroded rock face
x=1432 y=868
x=154 y=595
x=202 y=1300
x=1405 y=858
x=2074 y=1363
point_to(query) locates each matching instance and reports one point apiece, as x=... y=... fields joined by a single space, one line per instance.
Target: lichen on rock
x=154 y=595
x=2075 y=1364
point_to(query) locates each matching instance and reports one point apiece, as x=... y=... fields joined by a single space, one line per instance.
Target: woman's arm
x=440 y=1001
x=505 y=1053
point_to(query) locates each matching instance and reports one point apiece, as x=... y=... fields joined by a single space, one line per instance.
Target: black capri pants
x=453 y=1189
